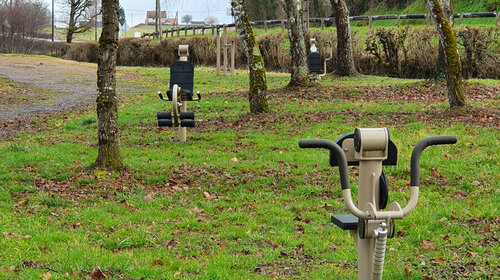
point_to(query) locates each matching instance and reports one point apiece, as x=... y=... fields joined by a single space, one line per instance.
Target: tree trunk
x=441 y=60
x=299 y=71
x=71 y=24
x=258 y=85
x=456 y=91
x=109 y=156
x=345 y=61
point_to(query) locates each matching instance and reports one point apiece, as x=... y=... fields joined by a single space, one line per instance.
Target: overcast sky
x=135 y=10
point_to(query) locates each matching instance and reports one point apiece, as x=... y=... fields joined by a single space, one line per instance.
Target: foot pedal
x=345 y=221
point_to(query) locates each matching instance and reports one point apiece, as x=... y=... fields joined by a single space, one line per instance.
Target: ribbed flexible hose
x=379 y=255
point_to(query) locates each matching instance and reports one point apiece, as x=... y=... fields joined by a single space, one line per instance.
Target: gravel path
x=72 y=84
x=60 y=85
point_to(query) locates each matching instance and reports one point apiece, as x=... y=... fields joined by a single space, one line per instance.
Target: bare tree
x=345 y=60
x=21 y=20
x=109 y=155
x=456 y=90
x=187 y=18
x=210 y=20
x=79 y=15
x=299 y=71
x=258 y=86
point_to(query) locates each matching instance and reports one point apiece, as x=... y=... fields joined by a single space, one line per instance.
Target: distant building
x=172 y=21
x=151 y=18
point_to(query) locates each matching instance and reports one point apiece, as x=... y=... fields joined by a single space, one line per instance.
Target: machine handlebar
x=335 y=151
x=415 y=155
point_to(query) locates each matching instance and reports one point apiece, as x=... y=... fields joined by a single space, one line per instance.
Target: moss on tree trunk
x=299 y=69
x=456 y=90
x=109 y=155
x=258 y=85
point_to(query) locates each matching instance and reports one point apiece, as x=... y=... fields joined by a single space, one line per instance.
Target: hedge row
x=398 y=52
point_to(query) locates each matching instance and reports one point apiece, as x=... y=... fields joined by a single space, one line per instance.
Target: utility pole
x=158 y=19
x=95 y=20
x=52 y=20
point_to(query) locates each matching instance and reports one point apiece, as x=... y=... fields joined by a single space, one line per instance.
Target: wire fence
x=214 y=29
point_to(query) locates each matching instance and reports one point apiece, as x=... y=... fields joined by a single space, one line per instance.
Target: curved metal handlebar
x=336 y=151
x=415 y=155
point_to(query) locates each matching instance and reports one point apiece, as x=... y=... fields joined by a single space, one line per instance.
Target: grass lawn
x=239 y=199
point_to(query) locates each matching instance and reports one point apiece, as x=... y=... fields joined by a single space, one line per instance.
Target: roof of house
x=152 y=14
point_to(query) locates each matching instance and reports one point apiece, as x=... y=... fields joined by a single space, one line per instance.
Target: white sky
x=135 y=10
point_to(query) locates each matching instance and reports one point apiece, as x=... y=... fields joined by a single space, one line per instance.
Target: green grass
x=268 y=213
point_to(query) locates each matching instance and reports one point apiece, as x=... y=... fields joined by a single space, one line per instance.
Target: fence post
x=282 y=25
x=322 y=23
x=498 y=17
x=233 y=55
x=265 y=25
x=224 y=43
x=427 y=20
x=461 y=18
x=194 y=30
x=185 y=30
x=399 y=20
x=178 y=32
x=218 y=49
x=370 y=22
x=202 y=30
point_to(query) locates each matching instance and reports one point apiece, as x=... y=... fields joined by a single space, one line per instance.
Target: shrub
x=399 y=52
x=83 y=52
x=482 y=52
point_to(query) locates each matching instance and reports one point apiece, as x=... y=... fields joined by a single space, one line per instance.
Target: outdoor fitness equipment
x=370 y=149
x=316 y=68
x=181 y=91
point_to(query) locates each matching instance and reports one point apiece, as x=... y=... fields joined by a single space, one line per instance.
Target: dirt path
x=53 y=85
x=69 y=84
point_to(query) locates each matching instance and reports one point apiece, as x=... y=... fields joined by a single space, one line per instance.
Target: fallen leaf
x=284 y=253
x=206 y=194
x=149 y=197
x=158 y=262
x=46 y=276
x=460 y=194
x=472 y=254
x=96 y=274
x=234 y=159
x=428 y=244
x=408 y=272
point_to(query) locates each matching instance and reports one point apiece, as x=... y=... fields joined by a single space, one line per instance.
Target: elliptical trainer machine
x=370 y=149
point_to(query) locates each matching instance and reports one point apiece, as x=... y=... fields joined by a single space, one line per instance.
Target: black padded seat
x=314 y=63
x=182 y=74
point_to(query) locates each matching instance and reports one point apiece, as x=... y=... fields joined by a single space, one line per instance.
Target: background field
x=239 y=199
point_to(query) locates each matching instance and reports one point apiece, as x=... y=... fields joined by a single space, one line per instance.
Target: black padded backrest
x=182 y=74
x=314 y=63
